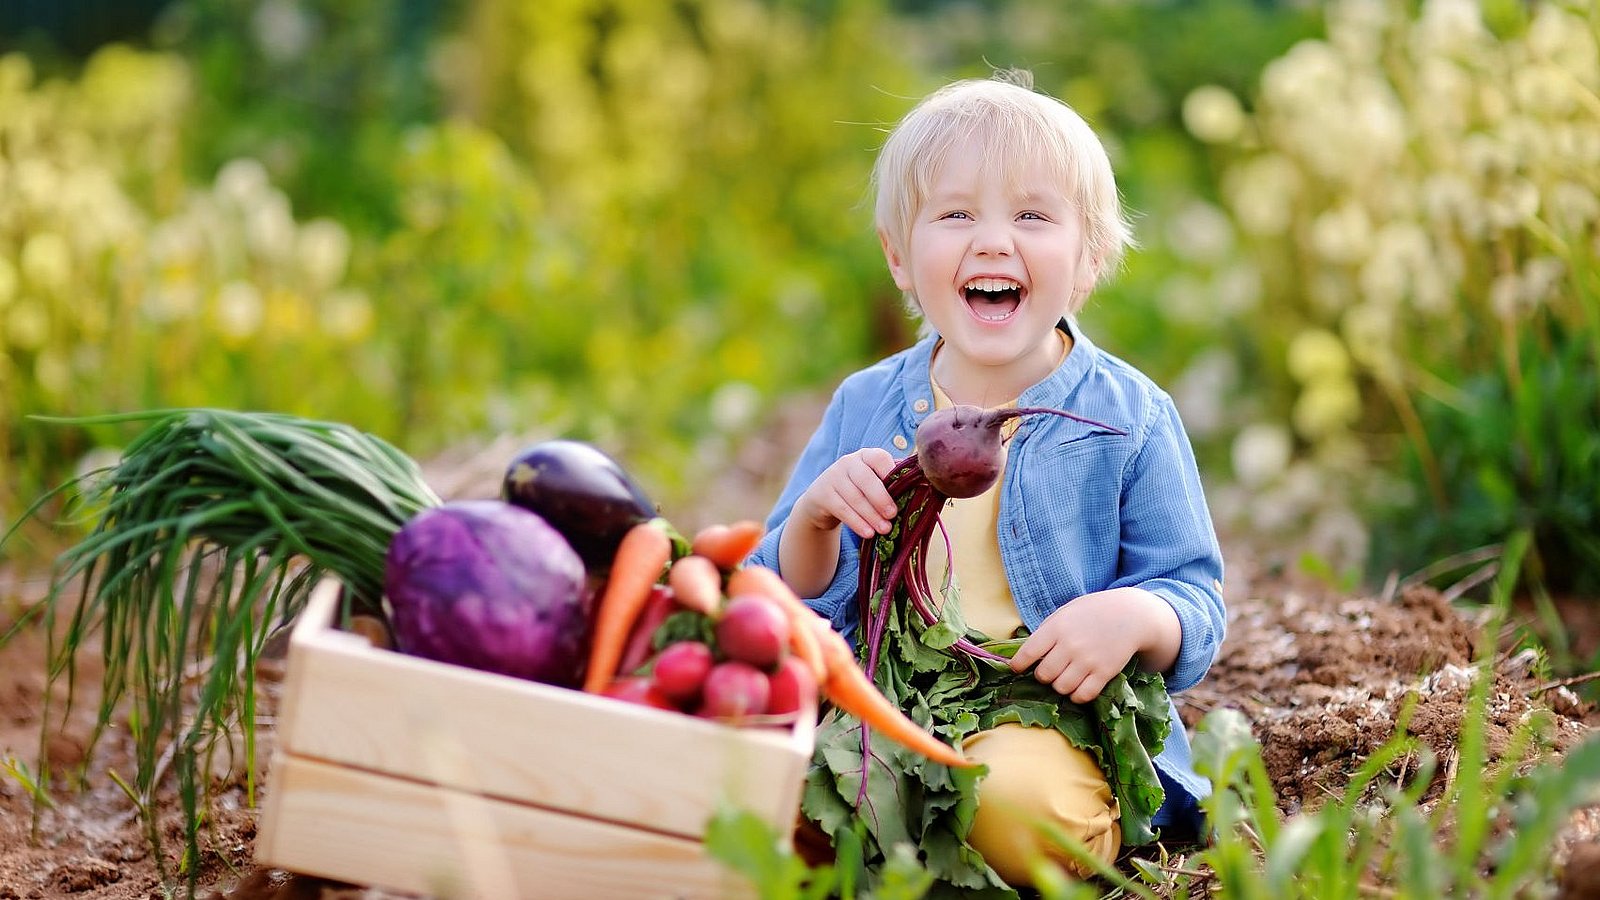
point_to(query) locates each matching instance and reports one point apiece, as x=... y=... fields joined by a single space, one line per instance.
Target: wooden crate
x=414 y=775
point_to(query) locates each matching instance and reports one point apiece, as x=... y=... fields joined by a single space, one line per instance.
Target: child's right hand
x=851 y=493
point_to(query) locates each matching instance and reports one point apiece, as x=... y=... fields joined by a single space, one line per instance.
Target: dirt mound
x=1325 y=679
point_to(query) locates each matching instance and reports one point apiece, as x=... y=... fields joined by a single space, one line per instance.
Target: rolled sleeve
x=1169 y=546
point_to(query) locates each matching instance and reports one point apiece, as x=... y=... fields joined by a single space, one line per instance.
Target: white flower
x=733 y=405
x=239 y=310
x=242 y=182
x=1262 y=194
x=1205 y=391
x=283 y=30
x=1200 y=233
x=1260 y=453
x=1236 y=289
x=1342 y=234
x=323 y=247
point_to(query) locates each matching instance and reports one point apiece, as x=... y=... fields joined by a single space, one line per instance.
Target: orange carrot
x=696 y=584
x=728 y=545
x=802 y=633
x=848 y=688
x=640 y=559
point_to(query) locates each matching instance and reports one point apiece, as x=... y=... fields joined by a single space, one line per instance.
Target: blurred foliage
x=1367 y=232
x=638 y=224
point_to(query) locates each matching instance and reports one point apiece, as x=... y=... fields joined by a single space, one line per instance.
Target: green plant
x=1412 y=197
x=1485 y=832
x=207 y=536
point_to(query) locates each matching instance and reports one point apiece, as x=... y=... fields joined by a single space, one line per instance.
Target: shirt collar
x=1052 y=391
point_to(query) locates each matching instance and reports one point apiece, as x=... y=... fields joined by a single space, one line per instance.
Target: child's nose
x=993 y=240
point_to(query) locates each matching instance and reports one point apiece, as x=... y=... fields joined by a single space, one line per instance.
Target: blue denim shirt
x=1082 y=509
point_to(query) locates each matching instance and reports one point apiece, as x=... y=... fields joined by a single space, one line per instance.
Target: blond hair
x=1014 y=126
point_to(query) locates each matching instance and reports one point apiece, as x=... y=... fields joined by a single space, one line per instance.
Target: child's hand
x=1085 y=643
x=850 y=492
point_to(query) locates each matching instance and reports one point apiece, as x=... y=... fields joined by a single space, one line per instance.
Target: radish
x=753 y=629
x=680 y=670
x=791 y=686
x=734 y=690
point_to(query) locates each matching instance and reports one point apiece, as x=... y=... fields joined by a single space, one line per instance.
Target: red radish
x=753 y=629
x=734 y=690
x=680 y=670
x=638 y=689
x=641 y=640
x=793 y=687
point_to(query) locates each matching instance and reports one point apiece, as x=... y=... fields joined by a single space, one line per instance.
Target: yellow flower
x=8 y=281
x=28 y=325
x=347 y=315
x=47 y=260
x=1315 y=354
x=1325 y=407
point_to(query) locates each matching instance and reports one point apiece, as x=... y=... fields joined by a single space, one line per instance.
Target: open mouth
x=993 y=299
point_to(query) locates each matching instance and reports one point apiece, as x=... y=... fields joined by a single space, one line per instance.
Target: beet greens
x=959 y=454
x=919 y=654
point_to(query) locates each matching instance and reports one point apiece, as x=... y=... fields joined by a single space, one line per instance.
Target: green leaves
x=208 y=535
x=912 y=802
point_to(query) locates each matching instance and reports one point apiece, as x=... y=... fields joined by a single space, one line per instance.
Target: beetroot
x=680 y=670
x=734 y=690
x=753 y=629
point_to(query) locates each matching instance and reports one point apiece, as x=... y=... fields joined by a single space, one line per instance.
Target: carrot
x=849 y=688
x=802 y=633
x=639 y=561
x=697 y=584
x=728 y=545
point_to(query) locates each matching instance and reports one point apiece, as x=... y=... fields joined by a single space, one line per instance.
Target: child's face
x=995 y=262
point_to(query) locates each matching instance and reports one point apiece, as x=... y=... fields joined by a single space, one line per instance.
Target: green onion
x=206 y=537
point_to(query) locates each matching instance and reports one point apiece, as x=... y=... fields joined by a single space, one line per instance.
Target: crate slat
x=341 y=823
x=350 y=703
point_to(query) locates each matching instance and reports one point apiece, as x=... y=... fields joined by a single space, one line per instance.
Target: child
x=998 y=213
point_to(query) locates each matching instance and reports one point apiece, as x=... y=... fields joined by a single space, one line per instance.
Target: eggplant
x=583 y=493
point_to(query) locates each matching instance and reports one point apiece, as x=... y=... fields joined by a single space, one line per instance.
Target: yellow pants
x=1036 y=775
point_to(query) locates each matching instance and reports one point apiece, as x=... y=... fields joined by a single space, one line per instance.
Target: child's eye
x=1030 y=214
x=955 y=214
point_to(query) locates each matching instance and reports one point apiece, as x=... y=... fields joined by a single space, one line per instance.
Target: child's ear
x=897 y=265
x=1089 y=274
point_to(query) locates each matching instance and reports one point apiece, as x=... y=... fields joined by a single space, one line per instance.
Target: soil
x=1322 y=675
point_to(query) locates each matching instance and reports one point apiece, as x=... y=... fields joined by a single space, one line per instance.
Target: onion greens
x=205 y=538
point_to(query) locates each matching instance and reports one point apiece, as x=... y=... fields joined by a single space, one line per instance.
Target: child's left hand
x=1086 y=643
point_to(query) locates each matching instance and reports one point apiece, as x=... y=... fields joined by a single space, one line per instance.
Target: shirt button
x=899 y=442
x=920 y=406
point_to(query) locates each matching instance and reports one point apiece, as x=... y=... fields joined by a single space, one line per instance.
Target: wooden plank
x=351 y=703
x=327 y=820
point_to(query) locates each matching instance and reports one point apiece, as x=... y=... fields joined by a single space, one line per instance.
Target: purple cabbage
x=491 y=586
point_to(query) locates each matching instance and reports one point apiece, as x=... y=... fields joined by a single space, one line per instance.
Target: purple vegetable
x=585 y=494
x=491 y=586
